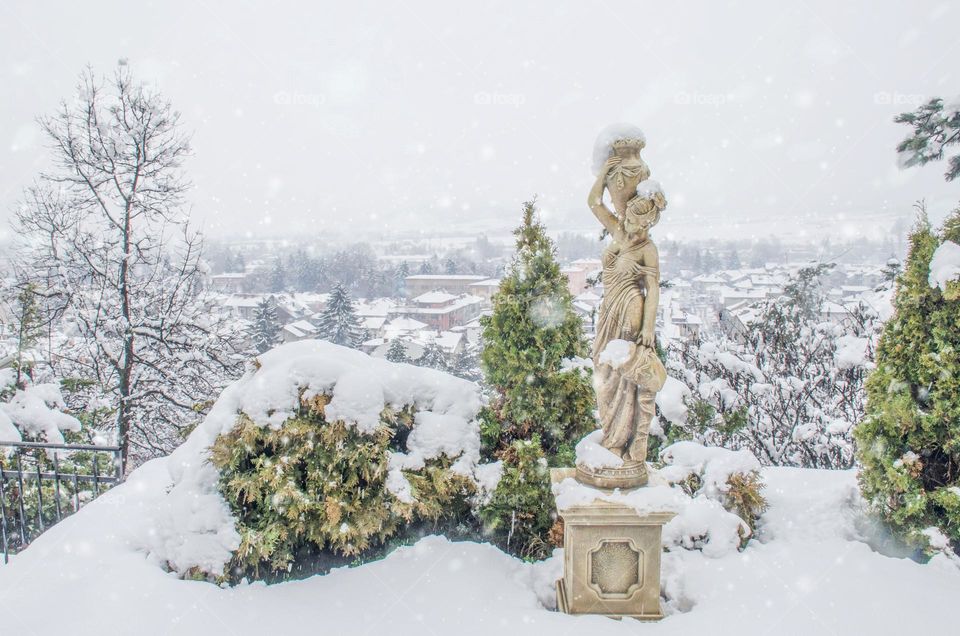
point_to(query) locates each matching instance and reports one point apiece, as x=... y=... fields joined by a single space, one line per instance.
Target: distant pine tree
x=397 y=352
x=466 y=364
x=266 y=325
x=400 y=280
x=433 y=357
x=338 y=323
x=733 y=259
x=278 y=276
x=909 y=439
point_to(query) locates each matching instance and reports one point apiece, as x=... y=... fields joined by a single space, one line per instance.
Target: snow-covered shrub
x=324 y=455
x=790 y=390
x=908 y=443
x=731 y=478
x=38 y=413
x=313 y=488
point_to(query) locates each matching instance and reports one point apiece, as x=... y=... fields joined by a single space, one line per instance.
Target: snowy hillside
x=808 y=574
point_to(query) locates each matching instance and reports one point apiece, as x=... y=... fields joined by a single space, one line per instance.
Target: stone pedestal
x=611 y=559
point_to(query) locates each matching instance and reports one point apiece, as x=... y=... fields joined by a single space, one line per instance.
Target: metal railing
x=42 y=483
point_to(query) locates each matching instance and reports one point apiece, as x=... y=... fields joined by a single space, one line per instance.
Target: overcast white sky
x=444 y=116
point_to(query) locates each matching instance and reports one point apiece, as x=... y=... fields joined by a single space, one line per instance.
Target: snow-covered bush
x=321 y=455
x=38 y=413
x=731 y=478
x=789 y=391
x=909 y=440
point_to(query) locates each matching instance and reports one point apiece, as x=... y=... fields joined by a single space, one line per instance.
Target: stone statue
x=611 y=551
x=627 y=371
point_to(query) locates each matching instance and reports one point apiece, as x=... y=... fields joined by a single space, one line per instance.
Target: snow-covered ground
x=807 y=574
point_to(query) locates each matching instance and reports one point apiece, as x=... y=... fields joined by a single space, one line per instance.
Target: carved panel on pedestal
x=616 y=568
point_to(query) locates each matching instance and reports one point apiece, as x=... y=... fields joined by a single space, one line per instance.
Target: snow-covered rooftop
x=434 y=297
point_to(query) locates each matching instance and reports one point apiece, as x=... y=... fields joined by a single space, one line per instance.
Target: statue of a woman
x=627 y=371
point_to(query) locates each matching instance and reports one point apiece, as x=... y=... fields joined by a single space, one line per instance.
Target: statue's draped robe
x=626 y=395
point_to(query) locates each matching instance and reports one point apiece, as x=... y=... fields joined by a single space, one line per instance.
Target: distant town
x=402 y=292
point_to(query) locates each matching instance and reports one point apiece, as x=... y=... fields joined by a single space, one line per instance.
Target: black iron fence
x=42 y=483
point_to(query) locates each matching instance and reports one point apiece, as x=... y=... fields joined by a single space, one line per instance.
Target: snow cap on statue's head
x=616 y=138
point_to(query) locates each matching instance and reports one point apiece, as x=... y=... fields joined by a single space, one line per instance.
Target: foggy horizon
x=367 y=121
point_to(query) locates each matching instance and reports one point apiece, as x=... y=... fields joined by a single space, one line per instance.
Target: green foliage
x=312 y=494
x=46 y=505
x=520 y=514
x=531 y=332
x=540 y=408
x=491 y=432
x=934 y=128
x=744 y=497
x=909 y=440
x=28 y=319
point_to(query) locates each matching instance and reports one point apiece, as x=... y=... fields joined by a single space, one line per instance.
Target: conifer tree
x=909 y=439
x=278 y=276
x=338 y=322
x=400 y=280
x=397 y=352
x=533 y=329
x=541 y=406
x=433 y=357
x=266 y=325
x=466 y=364
x=935 y=126
x=733 y=259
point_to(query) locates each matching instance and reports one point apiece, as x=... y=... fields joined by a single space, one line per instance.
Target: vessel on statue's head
x=627 y=371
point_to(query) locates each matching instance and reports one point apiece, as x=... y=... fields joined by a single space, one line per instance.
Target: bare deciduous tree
x=106 y=234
